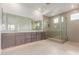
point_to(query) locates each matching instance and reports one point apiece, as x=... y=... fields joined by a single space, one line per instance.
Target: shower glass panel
x=57 y=28
x=63 y=29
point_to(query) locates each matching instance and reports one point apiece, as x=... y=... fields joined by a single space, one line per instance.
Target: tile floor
x=44 y=47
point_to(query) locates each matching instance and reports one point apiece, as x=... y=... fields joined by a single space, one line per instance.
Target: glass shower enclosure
x=57 y=29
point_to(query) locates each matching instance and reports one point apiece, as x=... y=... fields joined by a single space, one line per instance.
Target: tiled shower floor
x=44 y=47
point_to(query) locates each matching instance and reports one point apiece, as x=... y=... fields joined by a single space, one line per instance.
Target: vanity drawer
x=8 y=40
x=27 y=37
x=33 y=36
x=20 y=37
x=38 y=36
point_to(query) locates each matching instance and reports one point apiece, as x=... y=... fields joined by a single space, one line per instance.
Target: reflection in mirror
x=15 y=23
x=62 y=19
x=3 y=27
x=11 y=27
x=55 y=20
x=36 y=25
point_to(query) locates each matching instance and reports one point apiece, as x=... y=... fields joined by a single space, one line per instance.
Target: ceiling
x=51 y=9
x=47 y=9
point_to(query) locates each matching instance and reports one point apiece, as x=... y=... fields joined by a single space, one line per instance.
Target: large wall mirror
x=36 y=25
x=15 y=23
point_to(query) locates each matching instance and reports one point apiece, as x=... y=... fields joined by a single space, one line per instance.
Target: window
x=75 y=16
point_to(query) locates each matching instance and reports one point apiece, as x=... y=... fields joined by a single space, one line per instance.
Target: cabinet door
x=33 y=36
x=43 y=35
x=8 y=40
x=27 y=37
x=20 y=37
x=38 y=36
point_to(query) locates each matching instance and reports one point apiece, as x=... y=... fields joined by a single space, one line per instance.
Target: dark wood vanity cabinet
x=14 y=39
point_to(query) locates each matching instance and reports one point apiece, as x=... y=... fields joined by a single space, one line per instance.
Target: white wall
x=73 y=27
